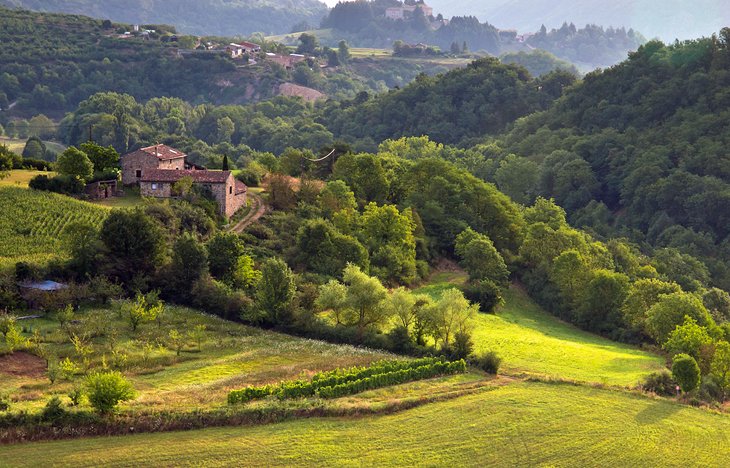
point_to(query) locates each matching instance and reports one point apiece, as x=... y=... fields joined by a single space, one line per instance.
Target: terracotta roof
x=249 y=45
x=240 y=187
x=163 y=152
x=172 y=175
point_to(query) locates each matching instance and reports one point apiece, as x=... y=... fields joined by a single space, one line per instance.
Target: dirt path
x=258 y=208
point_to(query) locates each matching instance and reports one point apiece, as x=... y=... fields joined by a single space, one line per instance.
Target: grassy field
x=131 y=199
x=231 y=356
x=31 y=222
x=521 y=424
x=533 y=342
x=21 y=178
x=360 y=52
x=16 y=145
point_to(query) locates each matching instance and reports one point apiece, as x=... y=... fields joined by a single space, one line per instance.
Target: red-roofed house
x=135 y=163
x=250 y=47
x=157 y=168
x=229 y=192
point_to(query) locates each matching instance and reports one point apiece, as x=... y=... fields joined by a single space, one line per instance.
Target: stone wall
x=160 y=190
x=139 y=161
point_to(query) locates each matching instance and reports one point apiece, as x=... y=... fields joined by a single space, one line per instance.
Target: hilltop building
x=405 y=11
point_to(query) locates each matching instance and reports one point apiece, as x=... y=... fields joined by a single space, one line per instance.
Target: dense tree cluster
x=638 y=150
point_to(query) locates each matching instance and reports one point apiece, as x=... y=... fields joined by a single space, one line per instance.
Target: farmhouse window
x=154 y=186
x=139 y=172
x=230 y=189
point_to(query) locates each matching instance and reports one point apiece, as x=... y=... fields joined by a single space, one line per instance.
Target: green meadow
x=532 y=342
x=520 y=424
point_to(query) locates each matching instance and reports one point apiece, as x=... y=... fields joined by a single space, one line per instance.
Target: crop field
x=21 y=177
x=31 y=222
x=16 y=145
x=533 y=342
x=519 y=424
x=230 y=356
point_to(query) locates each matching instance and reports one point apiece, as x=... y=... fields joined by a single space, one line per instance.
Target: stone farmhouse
x=157 y=168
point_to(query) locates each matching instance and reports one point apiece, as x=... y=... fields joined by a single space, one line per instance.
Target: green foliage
x=611 y=150
x=323 y=249
x=489 y=362
x=670 y=311
x=103 y=158
x=480 y=258
x=365 y=298
x=189 y=264
x=106 y=390
x=660 y=383
x=686 y=372
x=387 y=234
x=485 y=293
x=75 y=163
x=341 y=382
x=450 y=315
x=334 y=197
x=53 y=411
x=443 y=109
x=276 y=290
x=134 y=245
x=720 y=368
x=539 y=62
x=688 y=338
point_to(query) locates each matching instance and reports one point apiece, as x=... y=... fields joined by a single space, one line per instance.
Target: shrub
x=4 y=402
x=53 y=411
x=489 y=362
x=37 y=164
x=341 y=382
x=686 y=372
x=660 y=383
x=462 y=346
x=485 y=293
x=75 y=395
x=106 y=389
x=249 y=177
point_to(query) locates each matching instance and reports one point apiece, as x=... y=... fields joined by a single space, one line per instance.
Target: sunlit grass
x=231 y=356
x=533 y=342
x=21 y=177
x=521 y=424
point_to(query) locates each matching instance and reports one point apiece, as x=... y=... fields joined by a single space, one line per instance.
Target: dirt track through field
x=258 y=208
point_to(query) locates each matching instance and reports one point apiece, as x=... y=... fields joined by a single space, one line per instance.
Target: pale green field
x=533 y=342
x=522 y=424
x=21 y=177
x=16 y=145
x=231 y=356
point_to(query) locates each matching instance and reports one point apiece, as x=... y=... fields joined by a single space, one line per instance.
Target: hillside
x=482 y=98
x=32 y=222
x=212 y=17
x=365 y=24
x=534 y=343
x=665 y=19
x=652 y=131
x=524 y=424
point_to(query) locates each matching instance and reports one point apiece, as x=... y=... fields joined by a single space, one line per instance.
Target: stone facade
x=135 y=163
x=227 y=191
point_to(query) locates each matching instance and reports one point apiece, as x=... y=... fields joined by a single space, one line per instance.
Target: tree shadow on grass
x=656 y=411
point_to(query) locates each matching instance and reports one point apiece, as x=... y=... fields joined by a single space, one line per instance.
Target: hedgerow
x=352 y=380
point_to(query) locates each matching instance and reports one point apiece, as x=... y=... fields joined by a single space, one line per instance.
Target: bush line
x=346 y=381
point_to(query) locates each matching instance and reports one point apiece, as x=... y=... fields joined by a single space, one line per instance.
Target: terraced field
x=31 y=223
